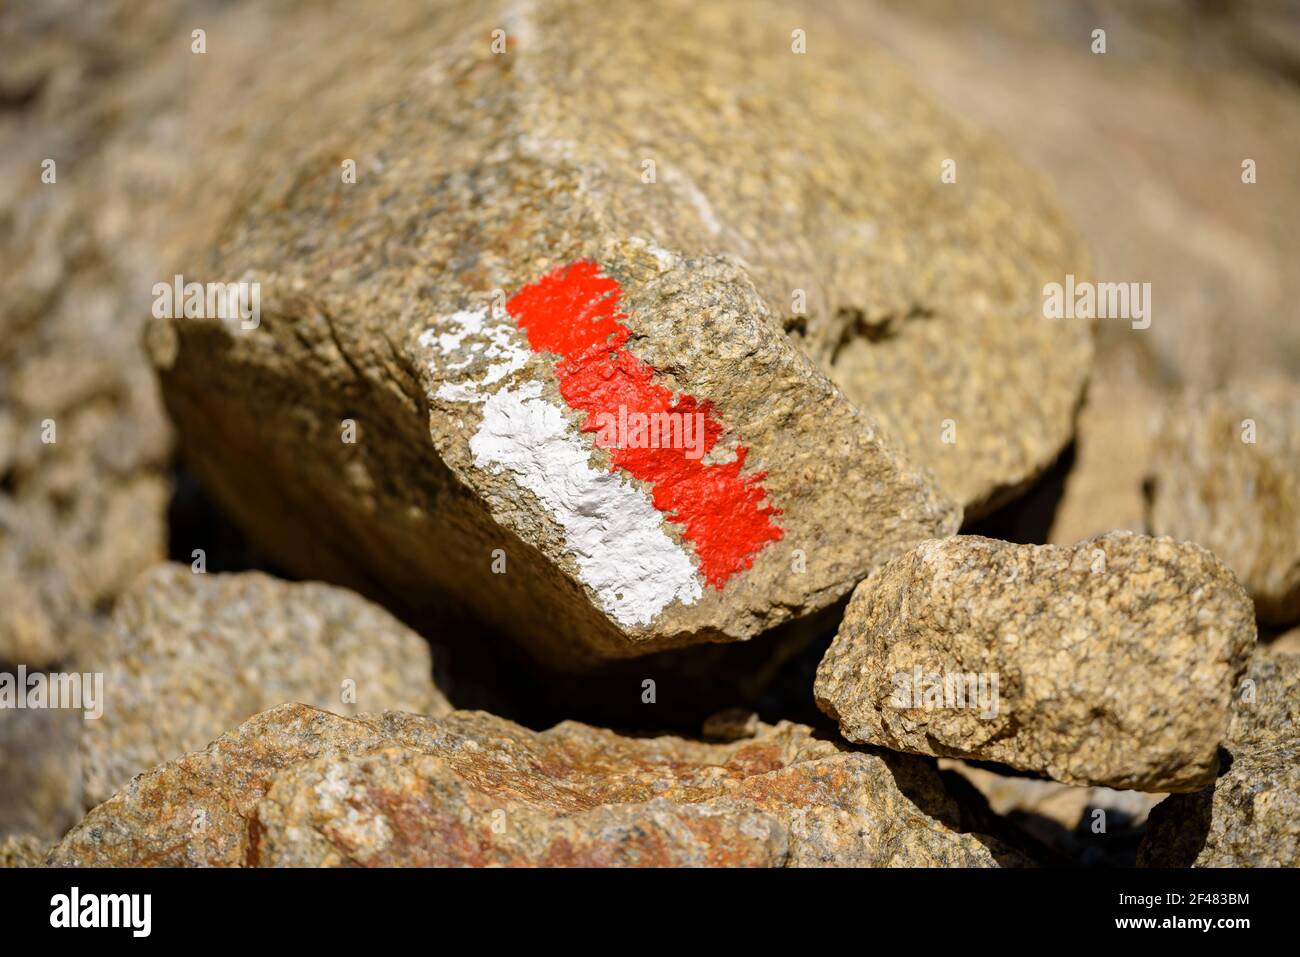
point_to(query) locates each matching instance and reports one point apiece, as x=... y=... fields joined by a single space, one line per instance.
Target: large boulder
x=296 y=786
x=426 y=390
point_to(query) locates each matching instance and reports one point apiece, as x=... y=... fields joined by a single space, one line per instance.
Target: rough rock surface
x=1250 y=816
x=298 y=786
x=1114 y=660
x=1226 y=474
x=190 y=656
x=391 y=303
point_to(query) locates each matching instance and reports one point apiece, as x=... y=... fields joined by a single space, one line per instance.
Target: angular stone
x=190 y=655
x=1114 y=660
x=731 y=724
x=1226 y=474
x=394 y=303
x=1250 y=816
x=298 y=786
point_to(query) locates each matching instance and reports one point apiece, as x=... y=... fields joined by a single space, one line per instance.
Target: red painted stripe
x=574 y=313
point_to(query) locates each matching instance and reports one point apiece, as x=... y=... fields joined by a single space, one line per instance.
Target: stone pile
x=673 y=352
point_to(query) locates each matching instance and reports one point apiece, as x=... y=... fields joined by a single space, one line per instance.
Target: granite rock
x=1226 y=474
x=1250 y=816
x=391 y=306
x=298 y=786
x=1109 y=663
x=191 y=655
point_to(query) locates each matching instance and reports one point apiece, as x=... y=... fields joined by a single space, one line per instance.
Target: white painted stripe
x=611 y=526
x=614 y=531
x=500 y=340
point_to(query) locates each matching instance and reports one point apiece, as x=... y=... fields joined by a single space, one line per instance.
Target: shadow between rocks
x=1179 y=826
x=1027 y=519
x=195 y=521
x=478 y=668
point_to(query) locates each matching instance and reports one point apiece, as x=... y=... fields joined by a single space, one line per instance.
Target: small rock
x=298 y=786
x=1226 y=474
x=1250 y=816
x=1109 y=663
x=189 y=655
x=62 y=563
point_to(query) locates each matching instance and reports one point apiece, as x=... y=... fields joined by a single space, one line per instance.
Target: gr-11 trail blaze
x=574 y=312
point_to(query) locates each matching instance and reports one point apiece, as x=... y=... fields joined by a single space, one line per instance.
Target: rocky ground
x=384 y=573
